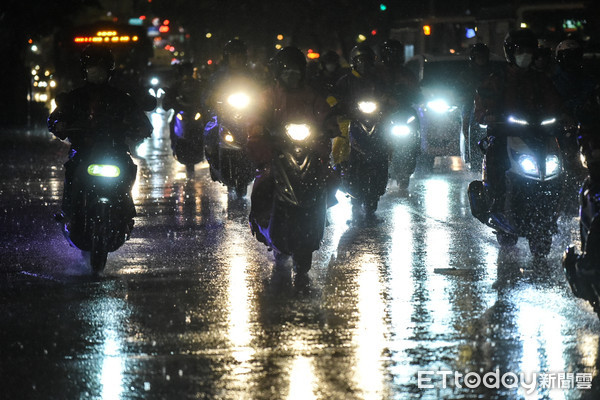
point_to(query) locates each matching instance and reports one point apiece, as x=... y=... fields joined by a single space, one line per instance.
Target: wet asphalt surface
x=192 y=308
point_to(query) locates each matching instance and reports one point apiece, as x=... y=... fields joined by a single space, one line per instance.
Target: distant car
x=440 y=111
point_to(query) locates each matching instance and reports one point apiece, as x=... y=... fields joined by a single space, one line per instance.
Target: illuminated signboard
x=106 y=37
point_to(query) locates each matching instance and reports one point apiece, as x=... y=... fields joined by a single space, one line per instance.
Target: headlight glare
x=298 y=132
x=368 y=107
x=528 y=165
x=552 y=165
x=549 y=121
x=239 y=100
x=105 y=170
x=518 y=121
x=439 y=106
x=400 y=130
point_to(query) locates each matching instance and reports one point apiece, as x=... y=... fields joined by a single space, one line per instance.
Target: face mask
x=523 y=60
x=96 y=75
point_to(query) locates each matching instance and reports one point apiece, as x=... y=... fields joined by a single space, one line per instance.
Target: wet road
x=190 y=307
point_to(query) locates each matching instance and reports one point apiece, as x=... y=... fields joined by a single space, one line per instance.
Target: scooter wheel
x=189 y=170
x=302 y=262
x=98 y=260
x=540 y=245
x=506 y=239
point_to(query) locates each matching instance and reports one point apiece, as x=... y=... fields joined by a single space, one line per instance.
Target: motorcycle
x=298 y=212
x=225 y=144
x=187 y=140
x=103 y=208
x=581 y=269
x=405 y=140
x=366 y=175
x=533 y=184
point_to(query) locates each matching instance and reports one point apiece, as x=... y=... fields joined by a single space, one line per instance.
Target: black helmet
x=478 y=49
x=392 y=52
x=289 y=67
x=569 y=54
x=362 y=57
x=234 y=47
x=520 y=38
x=97 y=55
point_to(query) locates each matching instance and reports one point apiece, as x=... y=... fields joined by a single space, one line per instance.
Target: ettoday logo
x=508 y=380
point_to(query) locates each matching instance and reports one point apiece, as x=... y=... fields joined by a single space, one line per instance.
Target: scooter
x=405 y=139
x=103 y=209
x=226 y=136
x=581 y=269
x=299 y=202
x=366 y=175
x=533 y=184
x=187 y=140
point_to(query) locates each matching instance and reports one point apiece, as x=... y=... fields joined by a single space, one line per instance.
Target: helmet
x=289 y=67
x=362 y=58
x=97 y=56
x=234 y=47
x=569 y=54
x=479 y=49
x=520 y=39
x=392 y=52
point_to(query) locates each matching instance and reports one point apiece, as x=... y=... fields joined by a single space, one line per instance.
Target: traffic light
x=426 y=30
x=382 y=7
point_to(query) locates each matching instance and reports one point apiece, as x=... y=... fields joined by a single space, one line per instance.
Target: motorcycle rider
x=471 y=78
x=329 y=72
x=362 y=79
x=575 y=87
x=185 y=95
x=516 y=88
x=232 y=68
x=289 y=98
x=95 y=111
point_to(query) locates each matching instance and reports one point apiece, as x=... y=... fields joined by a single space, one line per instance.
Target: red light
x=142 y=17
x=166 y=22
x=163 y=29
x=209 y=62
x=310 y=51
x=374 y=32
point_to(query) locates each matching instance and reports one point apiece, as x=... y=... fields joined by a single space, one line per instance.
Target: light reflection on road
x=425 y=289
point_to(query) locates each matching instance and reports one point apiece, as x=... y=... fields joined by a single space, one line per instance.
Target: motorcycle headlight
x=239 y=100
x=367 y=107
x=298 y=132
x=197 y=116
x=529 y=165
x=400 y=130
x=552 y=165
x=548 y=121
x=229 y=138
x=518 y=121
x=440 y=106
x=105 y=170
